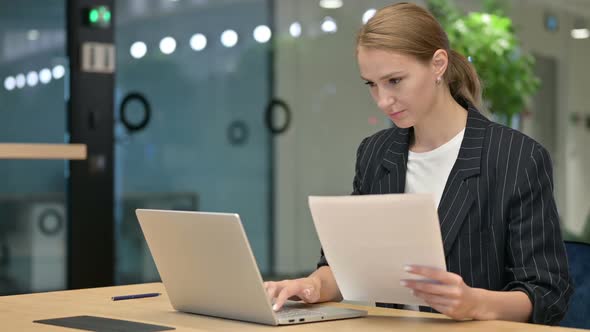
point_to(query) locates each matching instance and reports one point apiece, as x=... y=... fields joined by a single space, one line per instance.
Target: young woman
x=499 y=222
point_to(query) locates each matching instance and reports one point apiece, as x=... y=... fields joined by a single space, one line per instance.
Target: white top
x=427 y=172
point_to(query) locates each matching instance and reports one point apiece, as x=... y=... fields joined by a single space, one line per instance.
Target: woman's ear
x=440 y=61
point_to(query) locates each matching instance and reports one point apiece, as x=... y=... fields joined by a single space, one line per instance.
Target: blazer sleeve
x=537 y=261
x=356 y=190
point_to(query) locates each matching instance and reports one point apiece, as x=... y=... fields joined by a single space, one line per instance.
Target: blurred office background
x=255 y=104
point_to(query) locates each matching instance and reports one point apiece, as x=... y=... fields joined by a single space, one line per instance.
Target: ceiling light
x=45 y=76
x=32 y=78
x=580 y=33
x=368 y=14
x=138 y=49
x=58 y=72
x=20 y=81
x=168 y=45
x=295 y=29
x=198 y=42
x=9 y=83
x=329 y=25
x=330 y=4
x=262 y=34
x=229 y=38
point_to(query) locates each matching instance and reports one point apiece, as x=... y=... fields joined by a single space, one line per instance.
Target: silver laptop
x=207 y=267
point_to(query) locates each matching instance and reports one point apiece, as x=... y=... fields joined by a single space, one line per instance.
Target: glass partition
x=200 y=68
x=33 y=217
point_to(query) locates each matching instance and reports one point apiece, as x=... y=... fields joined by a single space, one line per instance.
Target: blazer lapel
x=395 y=158
x=459 y=193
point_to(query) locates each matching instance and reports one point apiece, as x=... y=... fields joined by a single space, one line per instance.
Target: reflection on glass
x=45 y=76
x=33 y=213
x=229 y=38
x=32 y=78
x=138 y=50
x=9 y=83
x=168 y=45
x=20 y=81
x=187 y=157
x=33 y=35
x=58 y=72
x=262 y=34
x=198 y=42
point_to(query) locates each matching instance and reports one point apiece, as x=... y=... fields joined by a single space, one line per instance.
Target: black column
x=90 y=48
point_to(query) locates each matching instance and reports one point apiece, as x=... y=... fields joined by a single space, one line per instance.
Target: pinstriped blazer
x=498 y=217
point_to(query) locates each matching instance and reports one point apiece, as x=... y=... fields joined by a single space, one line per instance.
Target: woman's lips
x=397 y=115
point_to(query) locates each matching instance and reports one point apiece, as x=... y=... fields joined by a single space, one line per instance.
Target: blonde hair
x=410 y=29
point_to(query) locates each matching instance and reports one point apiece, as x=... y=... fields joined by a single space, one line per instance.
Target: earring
x=438 y=80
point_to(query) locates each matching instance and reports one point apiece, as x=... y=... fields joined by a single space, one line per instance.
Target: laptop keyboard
x=293 y=312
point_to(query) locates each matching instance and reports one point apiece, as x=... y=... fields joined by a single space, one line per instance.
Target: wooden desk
x=42 y=151
x=17 y=313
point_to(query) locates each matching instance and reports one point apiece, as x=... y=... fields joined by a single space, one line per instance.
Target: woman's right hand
x=305 y=289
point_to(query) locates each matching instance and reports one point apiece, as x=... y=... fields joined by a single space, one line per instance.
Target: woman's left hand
x=446 y=293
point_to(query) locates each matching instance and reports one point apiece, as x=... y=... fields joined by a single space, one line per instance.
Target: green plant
x=488 y=40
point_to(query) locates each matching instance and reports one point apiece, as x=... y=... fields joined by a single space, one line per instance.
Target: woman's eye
x=371 y=84
x=394 y=81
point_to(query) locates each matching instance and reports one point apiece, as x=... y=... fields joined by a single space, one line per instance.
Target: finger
x=284 y=294
x=431 y=288
x=309 y=295
x=267 y=284
x=271 y=292
x=435 y=299
x=435 y=274
x=314 y=296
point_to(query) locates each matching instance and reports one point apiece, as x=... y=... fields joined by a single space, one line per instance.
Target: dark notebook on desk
x=102 y=324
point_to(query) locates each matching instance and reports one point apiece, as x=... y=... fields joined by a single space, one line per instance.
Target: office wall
x=565 y=132
x=318 y=76
x=571 y=156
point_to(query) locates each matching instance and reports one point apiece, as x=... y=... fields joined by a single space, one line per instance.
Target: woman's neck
x=443 y=122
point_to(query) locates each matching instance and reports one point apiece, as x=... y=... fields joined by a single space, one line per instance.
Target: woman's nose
x=385 y=101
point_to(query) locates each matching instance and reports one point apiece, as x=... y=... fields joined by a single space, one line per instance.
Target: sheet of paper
x=368 y=240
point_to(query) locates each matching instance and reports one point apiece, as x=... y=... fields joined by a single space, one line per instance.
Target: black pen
x=134 y=296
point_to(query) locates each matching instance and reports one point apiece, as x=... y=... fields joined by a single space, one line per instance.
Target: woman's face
x=403 y=87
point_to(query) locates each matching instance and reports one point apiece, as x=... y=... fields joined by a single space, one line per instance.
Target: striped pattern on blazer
x=498 y=217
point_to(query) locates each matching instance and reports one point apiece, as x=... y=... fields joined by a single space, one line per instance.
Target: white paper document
x=368 y=239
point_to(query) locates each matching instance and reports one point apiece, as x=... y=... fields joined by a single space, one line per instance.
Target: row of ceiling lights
x=229 y=38
x=32 y=78
x=198 y=42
